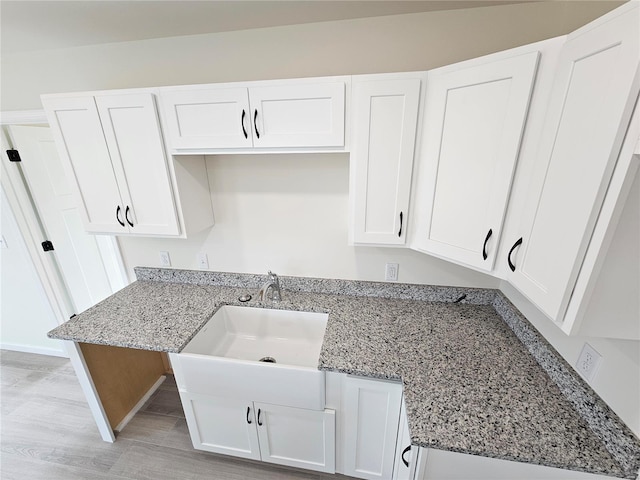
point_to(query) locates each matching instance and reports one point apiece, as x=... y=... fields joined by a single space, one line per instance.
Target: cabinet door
x=298 y=115
x=371 y=414
x=404 y=450
x=221 y=425
x=133 y=135
x=297 y=437
x=596 y=86
x=204 y=119
x=83 y=153
x=474 y=120
x=384 y=133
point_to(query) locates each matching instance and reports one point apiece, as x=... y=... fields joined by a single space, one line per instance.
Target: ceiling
x=28 y=25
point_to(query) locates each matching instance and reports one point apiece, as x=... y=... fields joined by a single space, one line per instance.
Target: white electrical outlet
x=588 y=362
x=391 y=272
x=203 y=261
x=165 y=261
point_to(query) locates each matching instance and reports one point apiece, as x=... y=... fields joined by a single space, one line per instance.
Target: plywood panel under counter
x=122 y=376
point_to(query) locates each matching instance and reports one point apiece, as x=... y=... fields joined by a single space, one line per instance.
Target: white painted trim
x=140 y=404
x=31 y=349
x=90 y=392
x=23 y=117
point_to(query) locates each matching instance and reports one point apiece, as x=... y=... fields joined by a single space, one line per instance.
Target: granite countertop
x=470 y=384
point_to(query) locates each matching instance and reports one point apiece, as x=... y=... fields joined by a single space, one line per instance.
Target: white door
x=474 y=119
x=297 y=437
x=371 y=415
x=404 y=450
x=298 y=115
x=85 y=159
x=204 y=119
x=134 y=139
x=591 y=103
x=221 y=425
x=385 y=114
x=85 y=272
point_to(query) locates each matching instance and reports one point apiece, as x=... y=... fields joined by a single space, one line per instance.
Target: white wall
x=382 y=44
x=25 y=313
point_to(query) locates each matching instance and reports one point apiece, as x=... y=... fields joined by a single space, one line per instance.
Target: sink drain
x=268 y=360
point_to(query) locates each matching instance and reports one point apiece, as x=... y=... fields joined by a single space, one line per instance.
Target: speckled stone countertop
x=471 y=385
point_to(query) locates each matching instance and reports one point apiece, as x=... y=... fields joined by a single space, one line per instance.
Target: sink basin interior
x=246 y=333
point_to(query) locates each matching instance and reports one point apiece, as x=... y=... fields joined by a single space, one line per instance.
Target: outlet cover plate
x=391 y=272
x=203 y=261
x=588 y=362
x=165 y=261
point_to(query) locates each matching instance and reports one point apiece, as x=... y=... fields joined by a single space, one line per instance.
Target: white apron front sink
x=223 y=359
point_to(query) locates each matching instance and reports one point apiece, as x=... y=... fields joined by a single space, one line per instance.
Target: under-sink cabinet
x=475 y=113
x=280 y=114
x=272 y=433
x=595 y=89
x=383 y=135
x=112 y=151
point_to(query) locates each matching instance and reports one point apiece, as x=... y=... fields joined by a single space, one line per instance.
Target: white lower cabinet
x=371 y=411
x=443 y=465
x=272 y=433
x=403 y=468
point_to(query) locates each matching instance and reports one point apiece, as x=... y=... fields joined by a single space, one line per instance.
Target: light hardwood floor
x=47 y=433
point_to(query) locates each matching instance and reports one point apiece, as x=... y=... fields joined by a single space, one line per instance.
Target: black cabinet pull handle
x=515 y=245
x=126 y=216
x=244 y=130
x=400 y=231
x=404 y=460
x=484 y=247
x=118 y=216
x=248 y=412
x=259 y=422
x=255 y=123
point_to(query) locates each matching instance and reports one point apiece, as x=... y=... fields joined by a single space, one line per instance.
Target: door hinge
x=47 y=246
x=14 y=156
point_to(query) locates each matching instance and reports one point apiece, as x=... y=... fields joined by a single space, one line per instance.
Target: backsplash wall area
x=289 y=213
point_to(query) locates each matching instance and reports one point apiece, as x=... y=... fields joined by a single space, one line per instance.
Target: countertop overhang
x=470 y=384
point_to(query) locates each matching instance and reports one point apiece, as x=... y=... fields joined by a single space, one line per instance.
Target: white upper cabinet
x=86 y=161
x=283 y=114
x=305 y=115
x=198 y=119
x=384 y=118
x=595 y=89
x=112 y=151
x=474 y=120
x=132 y=133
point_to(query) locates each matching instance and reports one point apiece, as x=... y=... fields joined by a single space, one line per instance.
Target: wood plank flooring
x=47 y=433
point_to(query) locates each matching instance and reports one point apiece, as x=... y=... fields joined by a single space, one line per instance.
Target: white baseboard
x=31 y=349
x=139 y=405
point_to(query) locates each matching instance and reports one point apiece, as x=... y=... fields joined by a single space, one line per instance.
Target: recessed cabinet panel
x=133 y=136
x=592 y=99
x=384 y=128
x=216 y=118
x=474 y=121
x=297 y=437
x=86 y=161
x=221 y=425
x=305 y=115
x=371 y=413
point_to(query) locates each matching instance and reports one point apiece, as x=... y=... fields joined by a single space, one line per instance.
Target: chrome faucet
x=271 y=285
